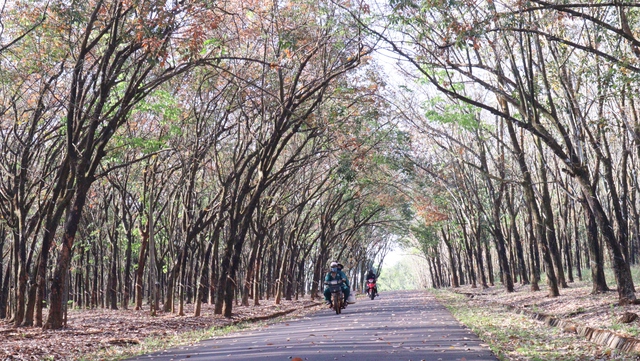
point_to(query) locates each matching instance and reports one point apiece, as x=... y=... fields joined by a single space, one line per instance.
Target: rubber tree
x=113 y=70
x=436 y=38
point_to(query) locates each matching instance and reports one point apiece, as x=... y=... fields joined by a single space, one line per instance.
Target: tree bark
x=58 y=284
x=455 y=282
x=598 y=280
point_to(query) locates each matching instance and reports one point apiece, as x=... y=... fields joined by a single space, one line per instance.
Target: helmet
x=334 y=264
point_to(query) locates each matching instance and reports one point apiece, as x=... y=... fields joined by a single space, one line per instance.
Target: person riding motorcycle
x=372 y=275
x=336 y=274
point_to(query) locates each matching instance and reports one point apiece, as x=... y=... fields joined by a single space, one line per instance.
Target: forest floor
x=102 y=334
x=503 y=320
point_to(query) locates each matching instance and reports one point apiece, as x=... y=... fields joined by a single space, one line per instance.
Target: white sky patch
x=393 y=257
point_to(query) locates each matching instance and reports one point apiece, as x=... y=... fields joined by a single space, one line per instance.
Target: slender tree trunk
x=432 y=273
x=548 y=219
x=54 y=319
x=126 y=297
x=94 y=285
x=112 y=280
x=540 y=234
x=203 y=289
x=576 y=236
x=202 y=279
x=469 y=260
x=4 y=292
x=568 y=256
x=517 y=241
x=534 y=265
x=455 y=282
x=174 y=275
x=479 y=259
x=31 y=302
x=20 y=250
x=183 y=280
x=635 y=233
x=622 y=272
x=598 y=280
x=487 y=254
x=251 y=266
x=256 y=281
x=142 y=259
x=3 y=299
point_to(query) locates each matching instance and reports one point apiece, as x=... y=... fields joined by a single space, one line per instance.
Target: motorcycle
x=337 y=297
x=371 y=288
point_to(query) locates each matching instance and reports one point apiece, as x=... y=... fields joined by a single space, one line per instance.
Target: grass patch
x=513 y=336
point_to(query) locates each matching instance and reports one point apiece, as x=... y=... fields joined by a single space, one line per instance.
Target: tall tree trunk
x=598 y=280
x=534 y=266
x=3 y=299
x=142 y=259
x=434 y=280
x=112 y=280
x=183 y=281
x=468 y=248
x=281 y=275
x=223 y=278
x=635 y=239
x=174 y=275
x=126 y=296
x=455 y=282
x=256 y=282
x=20 y=250
x=59 y=281
x=203 y=289
x=31 y=302
x=251 y=266
x=576 y=236
x=94 y=285
x=517 y=241
x=548 y=219
x=529 y=195
x=438 y=266
x=621 y=270
x=202 y=279
x=4 y=291
x=489 y=262
x=479 y=259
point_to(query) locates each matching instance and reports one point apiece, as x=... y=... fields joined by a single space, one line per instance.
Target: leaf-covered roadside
x=102 y=334
x=514 y=336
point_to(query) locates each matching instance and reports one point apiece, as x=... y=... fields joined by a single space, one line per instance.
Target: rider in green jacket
x=336 y=274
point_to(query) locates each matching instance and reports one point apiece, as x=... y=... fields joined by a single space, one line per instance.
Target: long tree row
x=157 y=153
x=527 y=138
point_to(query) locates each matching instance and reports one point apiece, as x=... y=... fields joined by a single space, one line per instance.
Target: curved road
x=416 y=328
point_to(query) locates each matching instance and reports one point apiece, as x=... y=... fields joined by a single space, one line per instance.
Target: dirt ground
x=575 y=304
x=91 y=331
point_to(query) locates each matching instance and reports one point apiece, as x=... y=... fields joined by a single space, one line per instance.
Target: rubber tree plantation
x=157 y=154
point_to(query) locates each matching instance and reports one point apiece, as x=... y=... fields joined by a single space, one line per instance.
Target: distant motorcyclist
x=372 y=275
x=336 y=274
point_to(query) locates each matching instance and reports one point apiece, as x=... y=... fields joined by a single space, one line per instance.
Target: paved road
x=416 y=328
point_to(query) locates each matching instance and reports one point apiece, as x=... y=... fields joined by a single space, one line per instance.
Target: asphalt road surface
x=398 y=326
